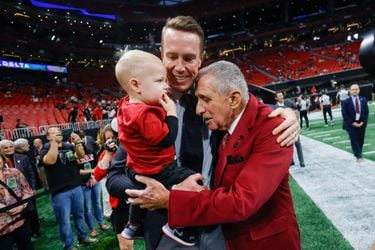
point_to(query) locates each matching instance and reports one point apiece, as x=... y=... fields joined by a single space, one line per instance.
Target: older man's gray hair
x=19 y=143
x=228 y=77
x=6 y=142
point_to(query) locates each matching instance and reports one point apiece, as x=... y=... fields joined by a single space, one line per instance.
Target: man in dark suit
x=89 y=142
x=250 y=193
x=355 y=115
x=24 y=162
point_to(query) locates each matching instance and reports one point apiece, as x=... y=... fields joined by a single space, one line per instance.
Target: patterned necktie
x=10 y=164
x=224 y=141
x=356 y=105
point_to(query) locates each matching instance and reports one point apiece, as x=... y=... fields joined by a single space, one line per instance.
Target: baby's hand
x=168 y=104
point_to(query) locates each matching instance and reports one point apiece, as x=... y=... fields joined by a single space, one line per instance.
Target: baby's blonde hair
x=132 y=65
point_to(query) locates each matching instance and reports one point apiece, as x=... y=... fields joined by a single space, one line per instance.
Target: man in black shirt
x=64 y=181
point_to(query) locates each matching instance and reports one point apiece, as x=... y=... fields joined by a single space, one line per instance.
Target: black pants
x=20 y=237
x=119 y=217
x=303 y=114
x=357 y=138
x=169 y=176
x=327 y=109
x=33 y=217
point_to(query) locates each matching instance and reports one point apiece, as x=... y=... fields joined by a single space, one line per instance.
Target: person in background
x=281 y=102
x=97 y=113
x=14 y=229
x=90 y=188
x=23 y=162
x=103 y=134
x=325 y=105
x=120 y=209
x=303 y=107
x=1 y=123
x=60 y=161
x=21 y=124
x=89 y=142
x=87 y=113
x=38 y=145
x=342 y=94
x=355 y=114
x=72 y=117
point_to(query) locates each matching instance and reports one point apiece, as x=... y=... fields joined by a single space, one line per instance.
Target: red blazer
x=251 y=196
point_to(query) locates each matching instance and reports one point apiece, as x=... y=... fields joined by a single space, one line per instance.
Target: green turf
x=337 y=137
x=317 y=232
x=50 y=237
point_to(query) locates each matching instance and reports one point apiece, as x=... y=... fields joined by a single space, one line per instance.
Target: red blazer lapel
x=234 y=142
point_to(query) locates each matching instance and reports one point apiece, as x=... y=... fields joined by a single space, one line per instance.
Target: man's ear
x=202 y=56
x=134 y=85
x=235 y=99
x=161 y=52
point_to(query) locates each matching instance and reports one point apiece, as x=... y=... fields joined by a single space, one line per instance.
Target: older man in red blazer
x=251 y=196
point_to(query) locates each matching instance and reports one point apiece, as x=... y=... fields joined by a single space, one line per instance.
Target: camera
x=111 y=146
x=367 y=52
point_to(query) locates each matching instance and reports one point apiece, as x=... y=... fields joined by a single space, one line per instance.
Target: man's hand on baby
x=192 y=183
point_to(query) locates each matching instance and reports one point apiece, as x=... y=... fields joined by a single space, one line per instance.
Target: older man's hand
x=290 y=126
x=191 y=184
x=154 y=196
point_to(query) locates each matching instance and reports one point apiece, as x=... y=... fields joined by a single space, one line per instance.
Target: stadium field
x=317 y=231
x=337 y=137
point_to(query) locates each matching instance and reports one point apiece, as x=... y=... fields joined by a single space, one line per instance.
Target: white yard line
x=341 y=142
x=341 y=188
x=322 y=132
x=331 y=138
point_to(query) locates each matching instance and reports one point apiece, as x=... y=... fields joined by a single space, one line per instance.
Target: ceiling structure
x=82 y=31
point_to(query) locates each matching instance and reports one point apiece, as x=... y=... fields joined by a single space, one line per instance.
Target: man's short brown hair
x=186 y=24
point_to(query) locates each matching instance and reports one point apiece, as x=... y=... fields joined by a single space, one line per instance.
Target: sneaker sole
x=172 y=237
x=127 y=237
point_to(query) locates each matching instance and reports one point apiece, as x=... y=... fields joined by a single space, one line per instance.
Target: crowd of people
x=65 y=169
x=212 y=150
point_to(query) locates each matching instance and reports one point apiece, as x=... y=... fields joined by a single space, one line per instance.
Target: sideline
x=343 y=189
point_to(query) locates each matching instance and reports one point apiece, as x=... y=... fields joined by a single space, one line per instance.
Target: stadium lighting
x=53 y=37
x=356 y=36
x=66 y=7
x=349 y=38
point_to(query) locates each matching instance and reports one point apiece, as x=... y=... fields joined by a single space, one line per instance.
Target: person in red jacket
x=250 y=193
x=120 y=210
x=97 y=114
